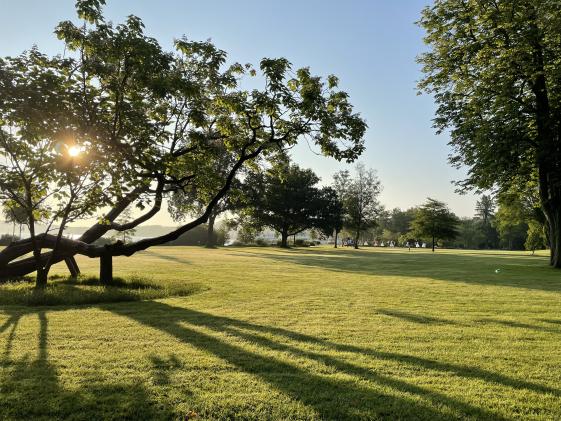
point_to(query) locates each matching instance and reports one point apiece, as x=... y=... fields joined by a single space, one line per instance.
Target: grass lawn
x=298 y=334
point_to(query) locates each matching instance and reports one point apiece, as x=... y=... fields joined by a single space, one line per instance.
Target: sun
x=74 y=151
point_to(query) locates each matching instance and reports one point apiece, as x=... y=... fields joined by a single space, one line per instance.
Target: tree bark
x=553 y=214
x=210 y=237
x=72 y=266
x=336 y=234
x=357 y=236
x=41 y=278
x=433 y=243
x=106 y=268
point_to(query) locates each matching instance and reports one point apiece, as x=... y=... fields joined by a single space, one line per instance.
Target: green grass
x=297 y=334
x=88 y=290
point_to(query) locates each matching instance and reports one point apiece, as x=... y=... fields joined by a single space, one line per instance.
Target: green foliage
x=198 y=237
x=359 y=196
x=535 y=237
x=394 y=225
x=481 y=68
x=150 y=123
x=287 y=199
x=511 y=223
x=434 y=221
x=125 y=236
x=493 y=69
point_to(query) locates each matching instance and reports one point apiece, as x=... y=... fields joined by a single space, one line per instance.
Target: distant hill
x=143 y=231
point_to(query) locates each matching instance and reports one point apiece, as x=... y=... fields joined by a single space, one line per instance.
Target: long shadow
x=416 y=318
x=511 y=323
x=332 y=398
x=552 y=321
x=167 y=257
x=31 y=388
x=516 y=271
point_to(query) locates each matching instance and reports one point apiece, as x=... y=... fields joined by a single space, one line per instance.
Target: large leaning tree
x=493 y=67
x=119 y=123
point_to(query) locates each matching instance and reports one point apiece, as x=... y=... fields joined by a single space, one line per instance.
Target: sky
x=371 y=45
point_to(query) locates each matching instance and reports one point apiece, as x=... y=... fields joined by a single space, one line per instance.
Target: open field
x=298 y=334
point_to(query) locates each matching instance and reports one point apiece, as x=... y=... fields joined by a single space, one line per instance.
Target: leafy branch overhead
x=145 y=123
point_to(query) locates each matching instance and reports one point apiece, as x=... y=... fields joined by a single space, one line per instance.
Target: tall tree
x=485 y=209
x=359 y=195
x=493 y=68
x=485 y=214
x=286 y=198
x=146 y=119
x=435 y=221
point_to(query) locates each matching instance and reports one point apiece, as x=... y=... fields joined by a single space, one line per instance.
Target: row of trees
x=288 y=200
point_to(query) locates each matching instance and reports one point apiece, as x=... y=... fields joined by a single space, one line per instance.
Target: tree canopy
x=493 y=68
x=434 y=220
x=147 y=123
x=359 y=195
x=287 y=199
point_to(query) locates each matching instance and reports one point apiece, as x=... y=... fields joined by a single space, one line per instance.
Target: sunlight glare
x=74 y=151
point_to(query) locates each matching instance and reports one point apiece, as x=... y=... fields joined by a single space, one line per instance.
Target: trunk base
x=41 y=278
x=106 y=269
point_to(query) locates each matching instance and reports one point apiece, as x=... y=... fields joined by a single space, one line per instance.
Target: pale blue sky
x=370 y=45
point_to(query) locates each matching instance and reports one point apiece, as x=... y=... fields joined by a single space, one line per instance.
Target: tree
x=535 y=237
x=17 y=216
x=485 y=209
x=331 y=220
x=126 y=236
x=286 y=199
x=485 y=213
x=146 y=120
x=493 y=68
x=45 y=173
x=394 y=224
x=435 y=221
x=470 y=233
x=511 y=223
x=185 y=203
x=359 y=195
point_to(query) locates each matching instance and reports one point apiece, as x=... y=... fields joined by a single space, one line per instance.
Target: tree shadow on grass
x=31 y=388
x=512 y=323
x=416 y=318
x=165 y=256
x=357 y=395
x=473 y=268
